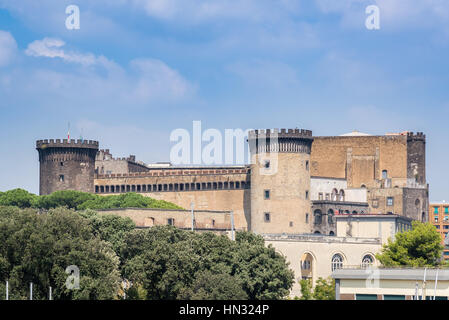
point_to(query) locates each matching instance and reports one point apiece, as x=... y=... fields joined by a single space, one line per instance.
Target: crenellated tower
x=280 y=181
x=66 y=165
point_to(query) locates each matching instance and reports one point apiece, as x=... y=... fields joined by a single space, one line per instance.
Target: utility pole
x=423 y=292
x=193 y=217
x=31 y=291
x=436 y=281
x=7 y=290
x=232 y=226
x=49 y=294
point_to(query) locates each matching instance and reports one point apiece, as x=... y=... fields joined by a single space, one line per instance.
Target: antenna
x=68 y=132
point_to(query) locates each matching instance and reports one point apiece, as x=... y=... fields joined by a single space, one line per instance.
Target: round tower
x=66 y=165
x=280 y=180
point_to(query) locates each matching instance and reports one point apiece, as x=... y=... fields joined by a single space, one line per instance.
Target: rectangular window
x=320 y=196
x=393 y=297
x=61 y=178
x=171 y=221
x=446 y=227
x=291 y=224
x=446 y=209
x=307 y=165
x=307 y=218
x=307 y=195
x=267 y=217
x=366 y=297
x=435 y=209
x=389 y=201
x=267 y=194
x=267 y=164
x=328 y=196
x=375 y=203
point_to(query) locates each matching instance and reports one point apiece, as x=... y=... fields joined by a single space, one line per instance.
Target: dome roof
x=355 y=133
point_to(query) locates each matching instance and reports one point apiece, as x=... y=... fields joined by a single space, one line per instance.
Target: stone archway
x=308 y=266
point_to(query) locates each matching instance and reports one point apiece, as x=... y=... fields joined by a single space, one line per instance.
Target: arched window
x=330 y=216
x=317 y=216
x=384 y=174
x=337 y=262
x=367 y=261
x=342 y=195
x=331 y=233
x=334 y=195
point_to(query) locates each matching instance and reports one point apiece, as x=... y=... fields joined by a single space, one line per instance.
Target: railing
x=360 y=267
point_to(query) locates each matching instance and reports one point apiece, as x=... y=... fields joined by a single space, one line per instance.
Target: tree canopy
x=168 y=263
x=324 y=289
x=161 y=262
x=38 y=248
x=80 y=200
x=419 y=247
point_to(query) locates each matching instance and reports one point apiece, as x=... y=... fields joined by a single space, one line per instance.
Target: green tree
x=125 y=200
x=212 y=286
x=18 y=197
x=38 y=248
x=418 y=247
x=110 y=228
x=167 y=262
x=306 y=289
x=324 y=289
x=65 y=198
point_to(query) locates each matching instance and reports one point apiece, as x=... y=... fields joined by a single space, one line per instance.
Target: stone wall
x=66 y=165
x=208 y=189
x=203 y=219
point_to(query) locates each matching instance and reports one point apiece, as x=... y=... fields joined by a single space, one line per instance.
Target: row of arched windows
x=167 y=187
x=337 y=261
x=318 y=215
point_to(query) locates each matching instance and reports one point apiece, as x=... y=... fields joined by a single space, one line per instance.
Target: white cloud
x=52 y=48
x=84 y=79
x=8 y=48
x=156 y=79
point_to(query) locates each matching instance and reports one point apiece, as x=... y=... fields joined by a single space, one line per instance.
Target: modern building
x=439 y=217
x=391 y=284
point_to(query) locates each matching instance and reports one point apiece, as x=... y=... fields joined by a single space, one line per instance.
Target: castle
x=296 y=183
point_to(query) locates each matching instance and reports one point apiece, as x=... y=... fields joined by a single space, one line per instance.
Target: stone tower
x=66 y=165
x=280 y=181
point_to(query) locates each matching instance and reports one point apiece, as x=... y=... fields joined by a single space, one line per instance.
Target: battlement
x=65 y=143
x=284 y=140
x=178 y=172
x=419 y=136
x=282 y=133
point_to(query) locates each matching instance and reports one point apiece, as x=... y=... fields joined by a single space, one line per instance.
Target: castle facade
x=296 y=183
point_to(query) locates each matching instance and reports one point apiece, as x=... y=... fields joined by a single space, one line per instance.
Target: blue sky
x=138 y=69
